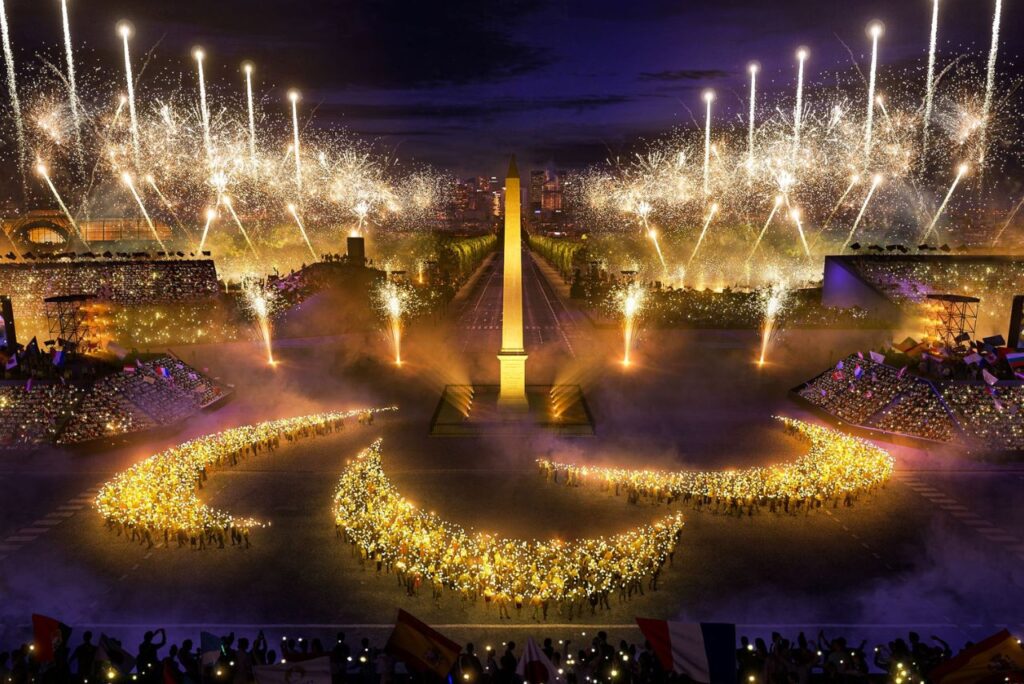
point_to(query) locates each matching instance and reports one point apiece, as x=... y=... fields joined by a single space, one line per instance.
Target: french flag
x=705 y=652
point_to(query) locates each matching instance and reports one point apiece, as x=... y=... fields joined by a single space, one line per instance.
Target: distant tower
x=513 y=355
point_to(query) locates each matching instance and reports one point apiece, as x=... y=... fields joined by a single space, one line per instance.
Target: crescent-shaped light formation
x=400 y=537
x=837 y=466
x=160 y=494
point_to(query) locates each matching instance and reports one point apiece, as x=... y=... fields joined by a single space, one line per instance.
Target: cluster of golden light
x=403 y=538
x=630 y=302
x=836 y=465
x=395 y=301
x=214 y=135
x=161 y=492
x=811 y=149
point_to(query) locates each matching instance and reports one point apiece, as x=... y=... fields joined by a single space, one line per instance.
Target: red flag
x=998 y=658
x=421 y=647
x=48 y=636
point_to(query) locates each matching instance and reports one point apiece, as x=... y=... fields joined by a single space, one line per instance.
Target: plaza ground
x=939 y=549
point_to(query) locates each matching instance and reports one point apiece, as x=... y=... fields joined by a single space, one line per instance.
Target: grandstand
x=140 y=397
x=893 y=404
x=895 y=284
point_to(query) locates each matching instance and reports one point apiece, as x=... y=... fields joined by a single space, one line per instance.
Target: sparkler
x=801 y=56
x=929 y=96
x=990 y=79
x=960 y=172
x=69 y=56
x=293 y=210
x=226 y=201
x=631 y=302
x=875 y=30
x=753 y=69
x=130 y=183
x=124 y=29
x=709 y=97
x=773 y=300
x=876 y=180
x=261 y=302
x=394 y=302
x=247 y=67
x=199 y=55
x=703 y=233
x=12 y=92
x=293 y=96
x=771 y=215
x=44 y=173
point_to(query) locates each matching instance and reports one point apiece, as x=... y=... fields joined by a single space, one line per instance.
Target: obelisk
x=512 y=356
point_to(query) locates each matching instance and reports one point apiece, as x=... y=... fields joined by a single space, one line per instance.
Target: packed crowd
x=863 y=392
x=141 y=396
x=158 y=499
x=837 y=468
x=597 y=658
x=125 y=283
x=390 y=533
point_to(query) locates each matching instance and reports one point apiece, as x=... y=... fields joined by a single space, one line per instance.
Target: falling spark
x=631 y=301
x=875 y=30
x=709 y=97
x=293 y=210
x=128 y=181
x=72 y=87
x=774 y=299
x=842 y=198
x=703 y=232
x=875 y=182
x=226 y=201
x=753 y=69
x=795 y=215
x=12 y=92
x=199 y=55
x=211 y=214
x=771 y=215
x=151 y=181
x=961 y=170
x=653 y=235
x=990 y=78
x=124 y=29
x=801 y=55
x=293 y=95
x=929 y=96
x=45 y=174
x=261 y=304
x=1009 y=219
x=247 y=67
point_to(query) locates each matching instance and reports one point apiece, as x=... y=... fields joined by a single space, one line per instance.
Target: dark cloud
x=475 y=110
x=685 y=75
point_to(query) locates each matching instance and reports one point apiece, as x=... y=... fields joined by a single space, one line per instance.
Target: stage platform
x=466 y=410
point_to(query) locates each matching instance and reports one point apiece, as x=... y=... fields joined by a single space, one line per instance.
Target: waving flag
x=998 y=658
x=535 y=667
x=705 y=652
x=49 y=635
x=310 y=671
x=420 y=647
x=110 y=651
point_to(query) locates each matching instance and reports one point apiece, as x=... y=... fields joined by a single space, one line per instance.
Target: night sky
x=461 y=83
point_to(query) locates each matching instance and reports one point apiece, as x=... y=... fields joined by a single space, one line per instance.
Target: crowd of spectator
x=597 y=658
x=139 y=397
x=866 y=393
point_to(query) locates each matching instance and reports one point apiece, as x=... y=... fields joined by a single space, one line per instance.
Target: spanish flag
x=420 y=647
x=49 y=636
x=999 y=658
